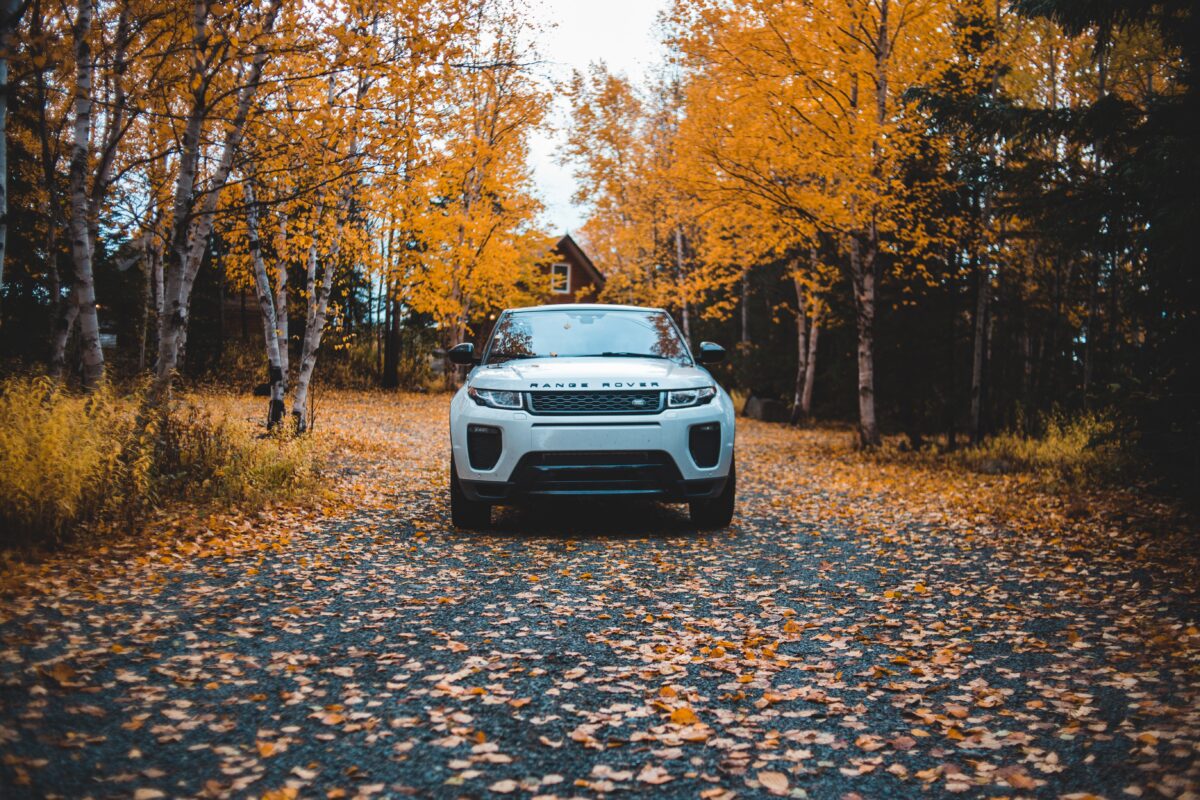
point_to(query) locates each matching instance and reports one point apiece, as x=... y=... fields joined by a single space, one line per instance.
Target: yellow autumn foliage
x=1071 y=448
x=69 y=460
x=59 y=455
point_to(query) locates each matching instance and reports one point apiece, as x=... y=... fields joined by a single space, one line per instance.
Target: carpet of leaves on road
x=864 y=629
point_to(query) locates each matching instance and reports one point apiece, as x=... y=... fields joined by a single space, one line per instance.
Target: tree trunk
x=810 y=363
x=391 y=345
x=983 y=292
x=91 y=355
x=10 y=13
x=862 y=271
x=174 y=311
x=266 y=305
x=7 y=10
x=281 y=325
x=801 y=344
x=1089 y=342
x=862 y=264
x=63 y=326
x=951 y=407
x=685 y=315
x=313 y=330
x=745 y=310
x=147 y=301
x=191 y=229
x=222 y=279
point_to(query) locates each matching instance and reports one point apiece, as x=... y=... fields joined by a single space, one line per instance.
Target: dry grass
x=60 y=456
x=1080 y=452
x=71 y=463
x=1071 y=449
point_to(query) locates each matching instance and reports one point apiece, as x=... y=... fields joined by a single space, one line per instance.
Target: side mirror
x=463 y=354
x=710 y=353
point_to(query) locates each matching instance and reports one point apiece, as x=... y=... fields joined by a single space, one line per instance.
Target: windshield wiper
x=511 y=357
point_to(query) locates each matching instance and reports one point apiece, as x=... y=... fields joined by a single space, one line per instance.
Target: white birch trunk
x=153 y=264
x=62 y=334
x=173 y=317
x=862 y=269
x=862 y=264
x=801 y=345
x=193 y=228
x=810 y=364
x=685 y=316
x=318 y=305
x=266 y=305
x=91 y=355
x=281 y=313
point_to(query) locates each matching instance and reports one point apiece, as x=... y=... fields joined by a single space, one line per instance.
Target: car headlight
x=682 y=398
x=495 y=398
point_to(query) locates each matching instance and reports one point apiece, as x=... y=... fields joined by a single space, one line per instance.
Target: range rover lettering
x=590 y=400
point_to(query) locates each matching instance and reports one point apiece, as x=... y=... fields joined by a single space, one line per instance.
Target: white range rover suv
x=590 y=400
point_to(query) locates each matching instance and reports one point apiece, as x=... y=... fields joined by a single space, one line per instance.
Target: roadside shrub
x=232 y=460
x=1071 y=448
x=70 y=461
x=60 y=456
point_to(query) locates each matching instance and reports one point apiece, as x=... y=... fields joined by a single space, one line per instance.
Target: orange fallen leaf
x=684 y=716
x=773 y=782
x=654 y=775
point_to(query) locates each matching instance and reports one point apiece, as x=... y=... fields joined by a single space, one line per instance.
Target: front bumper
x=646 y=455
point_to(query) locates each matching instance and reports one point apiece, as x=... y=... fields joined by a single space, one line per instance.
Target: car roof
x=584 y=307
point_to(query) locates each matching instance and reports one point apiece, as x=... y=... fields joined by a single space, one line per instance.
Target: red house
x=570 y=275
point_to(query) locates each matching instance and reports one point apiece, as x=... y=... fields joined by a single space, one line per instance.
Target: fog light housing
x=704 y=443
x=484 y=445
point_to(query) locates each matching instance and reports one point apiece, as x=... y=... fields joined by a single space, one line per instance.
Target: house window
x=560 y=279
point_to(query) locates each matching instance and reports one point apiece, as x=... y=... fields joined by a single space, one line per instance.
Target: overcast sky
x=620 y=32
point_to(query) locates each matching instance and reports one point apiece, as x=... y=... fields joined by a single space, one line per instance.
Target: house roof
x=573 y=252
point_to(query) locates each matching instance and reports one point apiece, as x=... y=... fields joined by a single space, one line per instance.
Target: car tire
x=717 y=512
x=464 y=512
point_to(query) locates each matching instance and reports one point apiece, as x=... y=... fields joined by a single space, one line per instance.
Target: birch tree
x=211 y=69
x=267 y=307
x=81 y=241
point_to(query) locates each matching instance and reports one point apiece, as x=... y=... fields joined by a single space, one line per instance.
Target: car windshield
x=591 y=333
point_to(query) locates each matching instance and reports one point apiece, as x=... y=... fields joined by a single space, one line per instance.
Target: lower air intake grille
x=595 y=402
x=704 y=442
x=484 y=444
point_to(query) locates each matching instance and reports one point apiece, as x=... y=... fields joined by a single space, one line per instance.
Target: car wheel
x=717 y=512
x=464 y=512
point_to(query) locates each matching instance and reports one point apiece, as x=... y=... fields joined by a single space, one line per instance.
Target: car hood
x=589 y=374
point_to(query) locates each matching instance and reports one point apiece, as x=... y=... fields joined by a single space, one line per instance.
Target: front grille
x=649 y=402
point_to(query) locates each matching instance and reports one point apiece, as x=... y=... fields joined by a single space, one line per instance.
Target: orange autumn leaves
x=836 y=635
